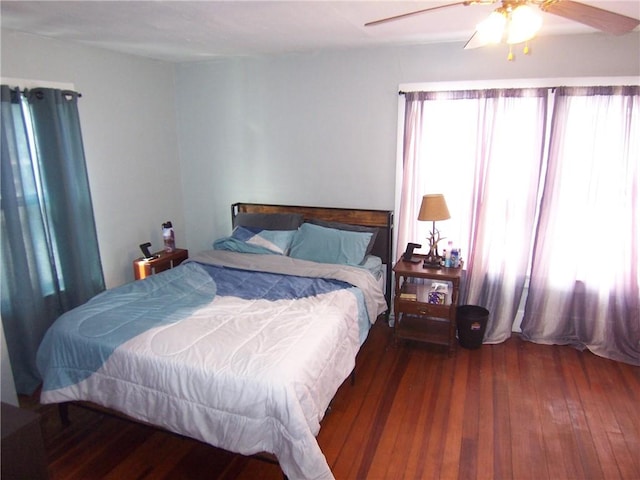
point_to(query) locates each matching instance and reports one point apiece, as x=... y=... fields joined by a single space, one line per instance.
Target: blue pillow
x=329 y=245
x=256 y=240
x=350 y=228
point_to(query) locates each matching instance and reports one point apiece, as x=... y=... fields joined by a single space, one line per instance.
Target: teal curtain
x=50 y=256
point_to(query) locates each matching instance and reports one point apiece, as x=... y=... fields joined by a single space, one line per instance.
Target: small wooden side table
x=416 y=318
x=164 y=261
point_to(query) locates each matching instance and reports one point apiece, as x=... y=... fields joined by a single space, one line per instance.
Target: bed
x=242 y=346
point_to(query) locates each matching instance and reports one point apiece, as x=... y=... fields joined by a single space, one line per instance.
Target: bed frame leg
x=63 y=412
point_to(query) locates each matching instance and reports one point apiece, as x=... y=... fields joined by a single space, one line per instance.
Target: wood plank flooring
x=511 y=411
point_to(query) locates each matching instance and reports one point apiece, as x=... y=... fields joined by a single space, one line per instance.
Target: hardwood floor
x=515 y=410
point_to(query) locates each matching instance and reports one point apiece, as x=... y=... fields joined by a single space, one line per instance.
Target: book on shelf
x=408 y=296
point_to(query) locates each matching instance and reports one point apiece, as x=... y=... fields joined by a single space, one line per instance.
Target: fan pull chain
x=511 y=57
x=526 y=50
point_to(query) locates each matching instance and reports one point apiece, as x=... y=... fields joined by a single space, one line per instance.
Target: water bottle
x=447 y=258
x=168 y=237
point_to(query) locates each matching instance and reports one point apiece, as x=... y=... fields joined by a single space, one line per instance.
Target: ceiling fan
x=517 y=21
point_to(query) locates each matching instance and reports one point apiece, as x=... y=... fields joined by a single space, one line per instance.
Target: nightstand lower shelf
x=423 y=329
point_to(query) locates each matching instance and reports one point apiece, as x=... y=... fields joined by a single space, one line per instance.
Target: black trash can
x=472 y=323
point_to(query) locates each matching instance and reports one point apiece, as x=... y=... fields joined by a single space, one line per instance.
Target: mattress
x=240 y=351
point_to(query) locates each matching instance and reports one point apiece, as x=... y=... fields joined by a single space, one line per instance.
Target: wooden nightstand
x=143 y=268
x=416 y=318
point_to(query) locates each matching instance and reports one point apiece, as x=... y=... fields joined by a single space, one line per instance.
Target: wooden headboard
x=381 y=219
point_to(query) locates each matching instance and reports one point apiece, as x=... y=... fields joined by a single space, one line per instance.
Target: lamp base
x=432 y=262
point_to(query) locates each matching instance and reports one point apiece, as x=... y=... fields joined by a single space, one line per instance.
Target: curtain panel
x=585 y=275
x=50 y=257
x=483 y=150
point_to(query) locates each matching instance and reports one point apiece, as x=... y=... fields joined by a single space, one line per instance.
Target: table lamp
x=433 y=208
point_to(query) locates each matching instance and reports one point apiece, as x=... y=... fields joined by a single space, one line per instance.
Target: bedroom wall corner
x=128 y=124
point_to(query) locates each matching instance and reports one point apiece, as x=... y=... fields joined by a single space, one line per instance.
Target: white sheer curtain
x=586 y=268
x=483 y=150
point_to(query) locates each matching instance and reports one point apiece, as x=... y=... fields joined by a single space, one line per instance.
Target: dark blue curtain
x=50 y=257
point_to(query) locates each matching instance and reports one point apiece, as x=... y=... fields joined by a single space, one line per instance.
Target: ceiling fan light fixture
x=491 y=29
x=520 y=20
x=524 y=23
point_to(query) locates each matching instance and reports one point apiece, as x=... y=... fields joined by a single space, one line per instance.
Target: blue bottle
x=455 y=258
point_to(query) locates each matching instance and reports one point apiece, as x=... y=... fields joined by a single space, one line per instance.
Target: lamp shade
x=434 y=207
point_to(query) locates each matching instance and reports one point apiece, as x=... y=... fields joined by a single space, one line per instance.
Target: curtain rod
x=551 y=89
x=27 y=90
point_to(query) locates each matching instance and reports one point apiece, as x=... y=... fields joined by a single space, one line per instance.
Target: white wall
x=7 y=387
x=127 y=113
x=320 y=128
x=315 y=129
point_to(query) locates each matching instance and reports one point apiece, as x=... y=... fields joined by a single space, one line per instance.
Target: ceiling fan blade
x=595 y=17
x=410 y=14
x=475 y=42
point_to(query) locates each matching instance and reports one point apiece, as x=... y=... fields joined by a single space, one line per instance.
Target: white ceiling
x=179 y=31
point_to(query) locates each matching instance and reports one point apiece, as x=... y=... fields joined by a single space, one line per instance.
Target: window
x=536 y=181
x=31 y=200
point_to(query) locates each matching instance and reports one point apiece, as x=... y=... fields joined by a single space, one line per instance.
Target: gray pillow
x=268 y=221
x=349 y=228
